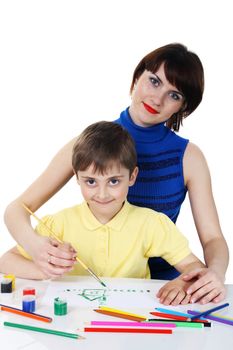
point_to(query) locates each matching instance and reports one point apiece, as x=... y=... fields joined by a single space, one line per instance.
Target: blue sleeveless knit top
x=160 y=182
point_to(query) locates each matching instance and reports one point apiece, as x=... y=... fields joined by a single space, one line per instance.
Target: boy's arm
x=14 y=263
x=176 y=292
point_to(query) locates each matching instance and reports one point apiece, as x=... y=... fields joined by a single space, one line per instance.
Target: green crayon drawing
x=101 y=295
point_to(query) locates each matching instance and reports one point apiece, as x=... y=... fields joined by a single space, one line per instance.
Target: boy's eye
x=154 y=81
x=114 y=181
x=90 y=182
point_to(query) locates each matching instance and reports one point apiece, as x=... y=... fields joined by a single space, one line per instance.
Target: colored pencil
x=127 y=330
x=59 y=240
x=182 y=324
x=24 y=313
x=117 y=314
x=174 y=317
x=213 y=318
x=132 y=324
x=172 y=312
x=43 y=330
x=207 y=312
x=106 y=308
x=205 y=324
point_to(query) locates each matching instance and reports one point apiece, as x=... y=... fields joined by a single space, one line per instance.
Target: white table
x=217 y=337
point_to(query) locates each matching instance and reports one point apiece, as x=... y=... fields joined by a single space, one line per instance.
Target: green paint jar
x=60 y=307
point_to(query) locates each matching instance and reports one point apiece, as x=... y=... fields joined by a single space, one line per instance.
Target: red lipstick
x=149 y=108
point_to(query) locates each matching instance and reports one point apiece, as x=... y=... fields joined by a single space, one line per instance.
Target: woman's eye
x=175 y=96
x=154 y=81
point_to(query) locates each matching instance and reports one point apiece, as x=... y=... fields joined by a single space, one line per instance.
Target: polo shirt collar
x=91 y=223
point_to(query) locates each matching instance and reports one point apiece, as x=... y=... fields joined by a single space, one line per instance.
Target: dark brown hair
x=183 y=69
x=101 y=144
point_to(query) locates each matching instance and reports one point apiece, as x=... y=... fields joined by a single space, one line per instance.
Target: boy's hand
x=208 y=287
x=53 y=258
x=174 y=292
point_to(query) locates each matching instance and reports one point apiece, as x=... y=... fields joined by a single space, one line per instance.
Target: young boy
x=112 y=237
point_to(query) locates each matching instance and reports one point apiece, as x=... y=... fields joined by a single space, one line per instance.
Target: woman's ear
x=133 y=176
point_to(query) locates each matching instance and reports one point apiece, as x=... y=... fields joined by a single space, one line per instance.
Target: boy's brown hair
x=101 y=144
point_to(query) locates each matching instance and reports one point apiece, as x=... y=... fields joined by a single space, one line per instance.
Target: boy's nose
x=102 y=193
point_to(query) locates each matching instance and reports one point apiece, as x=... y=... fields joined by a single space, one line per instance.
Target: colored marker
x=207 y=312
x=24 y=313
x=127 y=330
x=132 y=324
x=43 y=330
x=213 y=318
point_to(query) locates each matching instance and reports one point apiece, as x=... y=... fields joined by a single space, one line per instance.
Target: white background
x=66 y=64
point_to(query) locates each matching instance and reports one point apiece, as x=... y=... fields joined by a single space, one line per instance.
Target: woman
x=167 y=86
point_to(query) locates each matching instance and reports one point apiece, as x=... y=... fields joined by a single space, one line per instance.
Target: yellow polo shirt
x=122 y=247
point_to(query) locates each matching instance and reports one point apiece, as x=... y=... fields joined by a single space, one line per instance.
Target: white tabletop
x=219 y=335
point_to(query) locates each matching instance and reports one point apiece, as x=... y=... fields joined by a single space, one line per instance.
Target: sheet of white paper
x=88 y=294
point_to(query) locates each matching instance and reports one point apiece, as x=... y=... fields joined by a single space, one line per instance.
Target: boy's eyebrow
x=110 y=177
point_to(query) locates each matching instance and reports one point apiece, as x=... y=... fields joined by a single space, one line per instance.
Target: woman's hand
x=53 y=258
x=208 y=286
x=174 y=293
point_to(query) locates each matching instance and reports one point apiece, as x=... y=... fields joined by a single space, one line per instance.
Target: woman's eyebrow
x=176 y=91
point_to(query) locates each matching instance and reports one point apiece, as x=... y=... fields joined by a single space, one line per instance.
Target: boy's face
x=105 y=193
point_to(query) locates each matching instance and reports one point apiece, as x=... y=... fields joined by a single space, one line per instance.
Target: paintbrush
x=60 y=241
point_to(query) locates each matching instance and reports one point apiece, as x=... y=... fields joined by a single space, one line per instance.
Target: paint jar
x=6 y=285
x=29 y=303
x=60 y=307
x=12 y=278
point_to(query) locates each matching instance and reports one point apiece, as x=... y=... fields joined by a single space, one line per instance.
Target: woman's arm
x=13 y=262
x=17 y=220
x=198 y=182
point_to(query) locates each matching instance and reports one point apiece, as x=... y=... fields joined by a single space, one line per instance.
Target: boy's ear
x=133 y=176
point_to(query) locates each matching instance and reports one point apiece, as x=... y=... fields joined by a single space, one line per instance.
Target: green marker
x=43 y=330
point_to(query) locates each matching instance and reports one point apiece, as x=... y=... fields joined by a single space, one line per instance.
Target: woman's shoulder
x=193 y=152
x=194 y=162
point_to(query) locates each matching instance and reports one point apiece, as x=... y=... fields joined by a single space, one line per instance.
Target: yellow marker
x=11 y=277
x=120 y=311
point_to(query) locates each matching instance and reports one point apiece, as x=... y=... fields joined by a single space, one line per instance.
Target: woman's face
x=154 y=99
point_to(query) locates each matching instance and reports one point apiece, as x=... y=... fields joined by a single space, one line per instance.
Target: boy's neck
x=104 y=218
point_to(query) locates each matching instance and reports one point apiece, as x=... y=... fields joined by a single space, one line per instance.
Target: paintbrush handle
x=60 y=241
x=42 y=223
